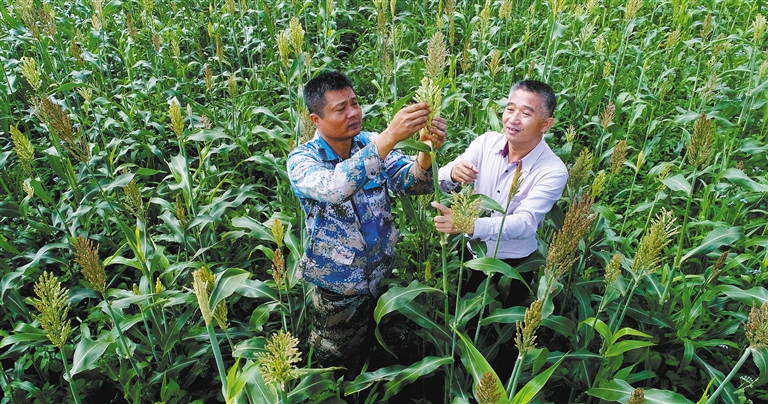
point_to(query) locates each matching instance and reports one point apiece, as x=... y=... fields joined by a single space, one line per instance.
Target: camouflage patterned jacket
x=349 y=220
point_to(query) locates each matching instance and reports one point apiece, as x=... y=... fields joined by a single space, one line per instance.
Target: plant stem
x=72 y=384
x=512 y=383
x=217 y=356
x=121 y=338
x=728 y=378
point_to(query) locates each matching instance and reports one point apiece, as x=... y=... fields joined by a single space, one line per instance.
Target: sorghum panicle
x=466 y=57
x=597 y=184
x=307 y=127
x=465 y=209
x=756 y=328
x=525 y=338
x=133 y=32
x=718 y=267
x=436 y=55
x=517 y=179
x=31 y=71
x=232 y=85
x=579 y=172
x=52 y=304
x=133 y=201
x=220 y=311
x=706 y=27
x=159 y=286
x=283 y=46
x=277 y=362
x=631 y=9
x=619 y=156
x=505 y=11
x=608 y=115
x=278 y=232
x=613 y=270
x=487 y=390
x=564 y=244
x=278 y=268
x=87 y=256
x=24 y=149
x=659 y=235
x=60 y=124
x=637 y=396
x=493 y=62
x=180 y=211
x=200 y=286
x=759 y=28
x=673 y=38
x=296 y=33
x=157 y=41
x=177 y=122
x=485 y=17
x=699 y=146
x=639 y=161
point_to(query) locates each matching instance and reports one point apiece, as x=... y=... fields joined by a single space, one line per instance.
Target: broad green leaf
x=490 y=265
x=677 y=183
x=599 y=326
x=478 y=366
x=258 y=390
x=529 y=391
x=316 y=387
x=420 y=369
x=258 y=230
x=9 y=210
x=207 y=135
x=249 y=348
x=738 y=177
x=417 y=314
x=756 y=294
x=24 y=333
x=227 y=283
x=256 y=289
x=489 y=204
x=87 y=354
x=367 y=379
x=719 y=236
x=397 y=297
x=760 y=357
x=412 y=145
x=619 y=390
x=624 y=346
x=629 y=331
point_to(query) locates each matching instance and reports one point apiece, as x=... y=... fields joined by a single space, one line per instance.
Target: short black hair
x=540 y=88
x=315 y=89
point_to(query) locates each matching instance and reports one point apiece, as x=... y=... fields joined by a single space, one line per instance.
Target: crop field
x=150 y=239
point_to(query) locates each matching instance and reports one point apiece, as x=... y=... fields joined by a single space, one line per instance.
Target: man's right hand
x=464 y=172
x=406 y=122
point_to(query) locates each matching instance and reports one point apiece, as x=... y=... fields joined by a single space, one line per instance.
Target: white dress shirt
x=543 y=178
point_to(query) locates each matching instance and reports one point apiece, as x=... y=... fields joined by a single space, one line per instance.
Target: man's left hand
x=444 y=222
x=435 y=135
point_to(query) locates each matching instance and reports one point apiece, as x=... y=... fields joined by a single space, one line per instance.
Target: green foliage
x=160 y=131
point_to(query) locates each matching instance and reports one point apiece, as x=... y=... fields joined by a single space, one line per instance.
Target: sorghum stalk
x=728 y=378
x=200 y=286
x=514 y=187
x=525 y=341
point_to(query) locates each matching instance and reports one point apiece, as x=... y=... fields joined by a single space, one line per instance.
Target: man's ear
x=315 y=118
x=547 y=124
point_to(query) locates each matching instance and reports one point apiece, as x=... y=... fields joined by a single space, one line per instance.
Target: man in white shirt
x=490 y=162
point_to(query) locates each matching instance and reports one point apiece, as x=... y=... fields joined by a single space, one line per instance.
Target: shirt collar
x=529 y=158
x=327 y=153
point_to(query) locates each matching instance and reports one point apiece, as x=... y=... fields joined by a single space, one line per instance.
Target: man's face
x=525 y=119
x=342 y=116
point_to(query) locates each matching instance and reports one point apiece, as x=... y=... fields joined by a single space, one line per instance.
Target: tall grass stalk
x=514 y=187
